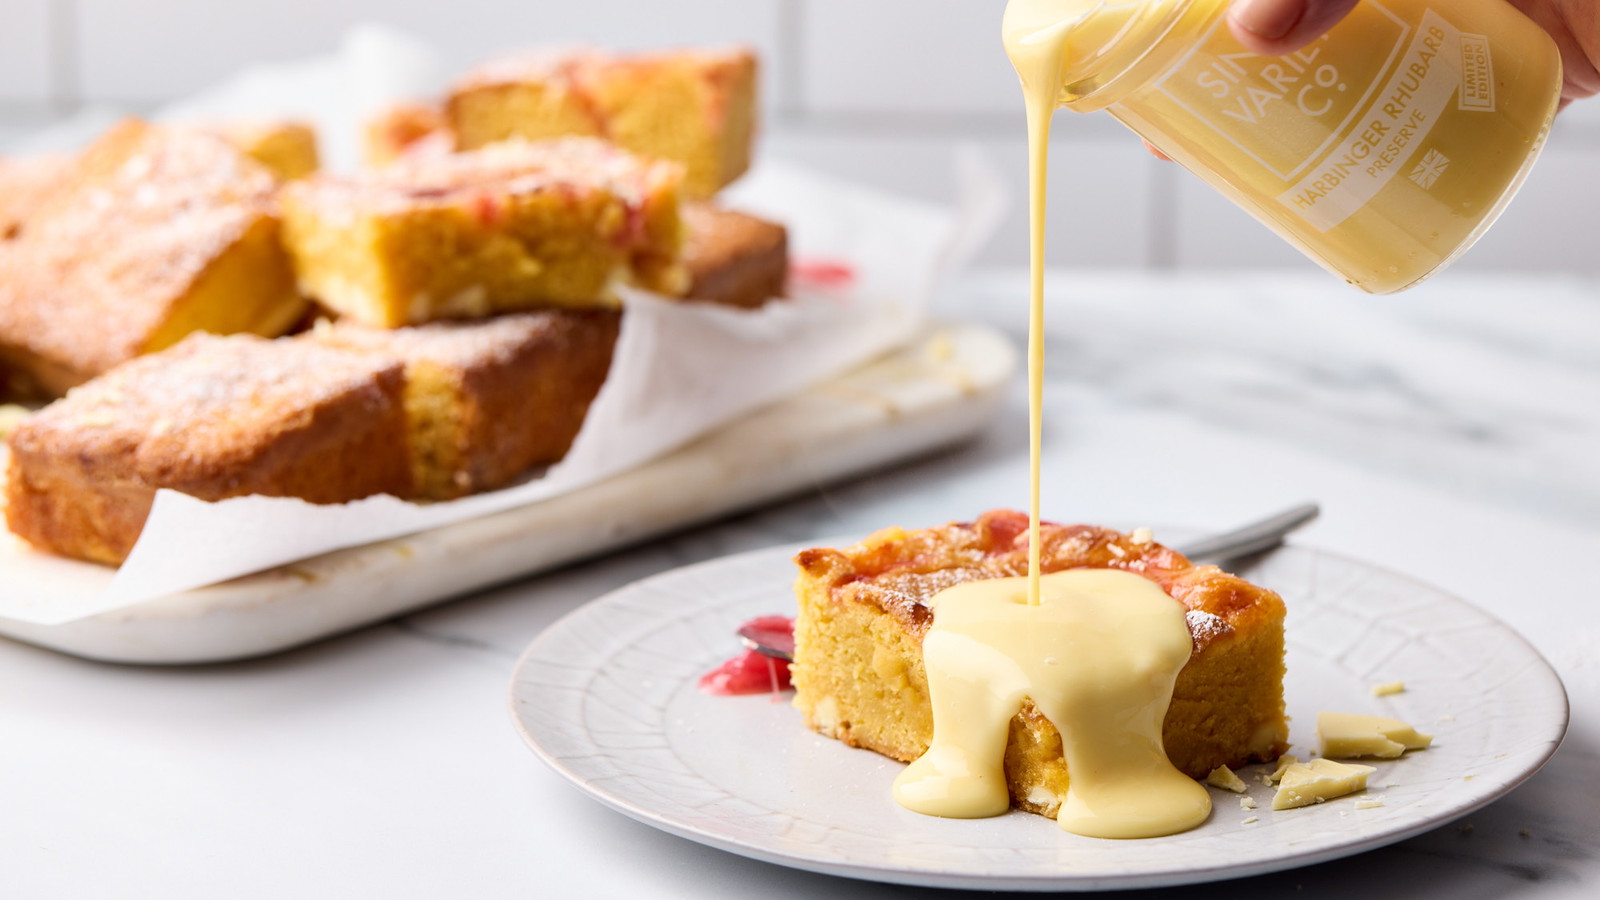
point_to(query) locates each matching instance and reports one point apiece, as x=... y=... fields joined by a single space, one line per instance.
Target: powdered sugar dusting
x=1204 y=626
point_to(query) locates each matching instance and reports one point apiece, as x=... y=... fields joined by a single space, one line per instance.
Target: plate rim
x=1548 y=744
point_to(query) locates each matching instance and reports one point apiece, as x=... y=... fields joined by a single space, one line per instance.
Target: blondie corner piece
x=863 y=612
x=696 y=107
x=514 y=226
x=286 y=147
x=488 y=400
x=733 y=258
x=213 y=417
x=405 y=129
x=25 y=184
x=149 y=235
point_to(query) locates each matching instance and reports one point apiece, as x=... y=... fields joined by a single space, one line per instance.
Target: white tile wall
x=156 y=49
x=25 y=57
x=899 y=56
x=879 y=90
x=1102 y=207
x=1579 y=118
x=1552 y=222
x=1212 y=232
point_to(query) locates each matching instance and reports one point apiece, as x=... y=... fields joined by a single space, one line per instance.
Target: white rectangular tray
x=940 y=389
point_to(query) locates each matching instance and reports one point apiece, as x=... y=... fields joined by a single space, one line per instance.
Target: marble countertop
x=1452 y=433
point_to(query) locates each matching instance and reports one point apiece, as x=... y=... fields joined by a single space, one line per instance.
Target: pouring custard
x=882 y=623
x=1098 y=655
x=1313 y=144
x=1070 y=671
x=1097 y=651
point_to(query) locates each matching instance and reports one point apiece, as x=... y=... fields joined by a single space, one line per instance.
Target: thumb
x=1273 y=27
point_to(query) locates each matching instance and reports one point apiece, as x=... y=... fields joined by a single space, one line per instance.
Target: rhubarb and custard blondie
x=25 y=183
x=514 y=226
x=863 y=612
x=696 y=107
x=406 y=129
x=734 y=258
x=486 y=401
x=214 y=417
x=287 y=147
x=149 y=235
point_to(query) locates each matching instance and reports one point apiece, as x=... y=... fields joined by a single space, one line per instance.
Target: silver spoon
x=1257 y=537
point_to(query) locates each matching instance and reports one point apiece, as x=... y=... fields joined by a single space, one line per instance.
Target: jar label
x=1387 y=137
x=1338 y=120
x=1477 y=73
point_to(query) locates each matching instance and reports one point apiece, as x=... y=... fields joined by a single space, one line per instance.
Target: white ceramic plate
x=607 y=697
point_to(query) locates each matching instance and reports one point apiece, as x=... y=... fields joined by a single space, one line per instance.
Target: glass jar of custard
x=1383 y=150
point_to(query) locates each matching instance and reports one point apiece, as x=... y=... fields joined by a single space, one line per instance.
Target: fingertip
x=1276 y=27
x=1266 y=20
x=1156 y=152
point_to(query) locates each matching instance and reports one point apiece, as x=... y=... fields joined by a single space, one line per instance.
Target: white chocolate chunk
x=1348 y=736
x=1247 y=803
x=1317 y=780
x=1224 y=777
x=1388 y=688
x=1284 y=762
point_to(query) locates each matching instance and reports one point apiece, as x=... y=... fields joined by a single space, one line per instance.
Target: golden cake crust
x=148 y=235
x=696 y=107
x=287 y=147
x=487 y=401
x=564 y=166
x=864 y=610
x=25 y=183
x=212 y=417
x=734 y=258
x=513 y=226
x=405 y=129
x=899 y=571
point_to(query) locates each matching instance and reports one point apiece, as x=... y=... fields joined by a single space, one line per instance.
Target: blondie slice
x=695 y=107
x=214 y=417
x=406 y=129
x=514 y=226
x=488 y=400
x=25 y=183
x=149 y=235
x=287 y=147
x=863 y=611
x=734 y=258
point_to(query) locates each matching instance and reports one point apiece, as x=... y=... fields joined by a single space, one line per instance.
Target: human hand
x=1273 y=27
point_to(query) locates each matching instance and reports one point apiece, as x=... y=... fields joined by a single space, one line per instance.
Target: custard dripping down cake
x=864 y=610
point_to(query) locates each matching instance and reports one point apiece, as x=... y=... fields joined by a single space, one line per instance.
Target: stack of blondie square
x=210 y=314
